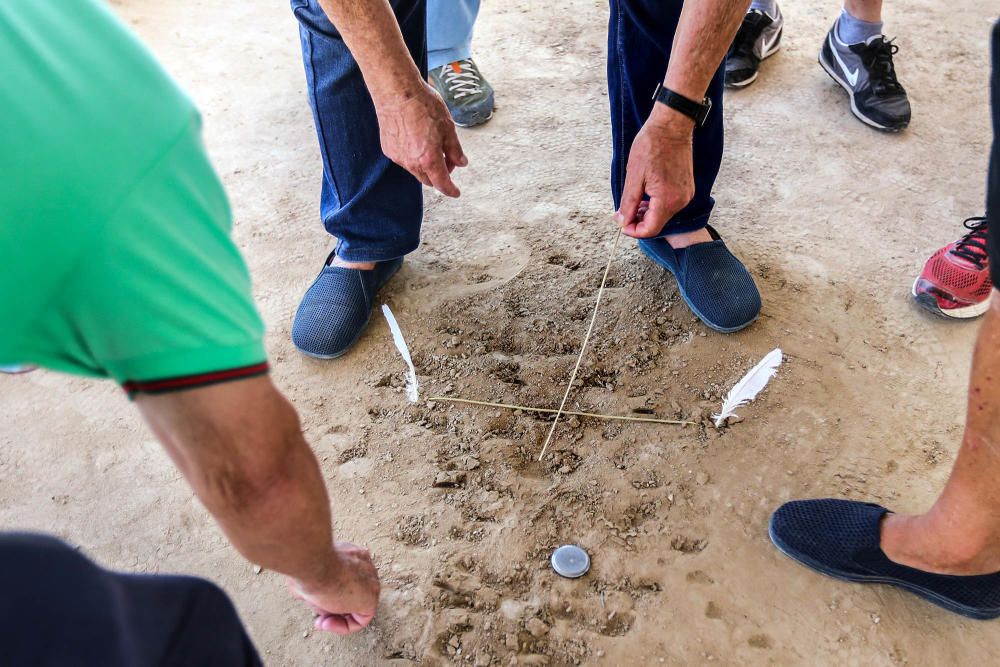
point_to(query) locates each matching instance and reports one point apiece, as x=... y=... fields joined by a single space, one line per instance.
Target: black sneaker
x=865 y=70
x=759 y=36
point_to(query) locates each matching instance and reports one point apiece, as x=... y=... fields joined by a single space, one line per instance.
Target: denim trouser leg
x=640 y=35
x=449 y=30
x=373 y=206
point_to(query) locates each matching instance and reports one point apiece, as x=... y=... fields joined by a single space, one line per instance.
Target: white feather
x=747 y=389
x=412 y=388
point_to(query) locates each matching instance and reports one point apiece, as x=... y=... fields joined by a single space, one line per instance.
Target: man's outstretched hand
x=419 y=135
x=659 y=165
x=346 y=602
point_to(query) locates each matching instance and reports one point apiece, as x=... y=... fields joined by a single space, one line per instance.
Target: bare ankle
x=364 y=266
x=924 y=543
x=685 y=239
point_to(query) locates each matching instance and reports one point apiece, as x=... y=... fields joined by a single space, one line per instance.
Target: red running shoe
x=956 y=281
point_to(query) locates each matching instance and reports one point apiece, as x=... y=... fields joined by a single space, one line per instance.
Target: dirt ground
x=833 y=219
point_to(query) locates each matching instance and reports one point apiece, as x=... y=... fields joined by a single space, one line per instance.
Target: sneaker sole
x=850 y=93
x=477 y=124
x=928 y=595
x=930 y=304
x=746 y=82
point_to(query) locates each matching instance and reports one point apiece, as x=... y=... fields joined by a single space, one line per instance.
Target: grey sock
x=853 y=30
x=769 y=7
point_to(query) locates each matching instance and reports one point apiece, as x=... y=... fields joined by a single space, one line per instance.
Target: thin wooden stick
x=652 y=420
x=583 y=348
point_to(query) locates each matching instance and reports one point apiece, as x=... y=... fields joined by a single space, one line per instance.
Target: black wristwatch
x=698 y=111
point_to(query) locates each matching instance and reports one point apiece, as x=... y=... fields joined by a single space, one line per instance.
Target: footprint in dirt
x=449 y=269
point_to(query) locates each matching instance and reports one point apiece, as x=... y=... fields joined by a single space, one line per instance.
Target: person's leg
x=640 y=35
x=712 y=281
x=950 y=555
x=450 y=24
x=59 y=608
x=453 y=72
x=867 y=11
x=372 y=206
x=961 y=532
x=859 y=58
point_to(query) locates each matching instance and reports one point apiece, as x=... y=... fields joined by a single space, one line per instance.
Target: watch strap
x=697 y=111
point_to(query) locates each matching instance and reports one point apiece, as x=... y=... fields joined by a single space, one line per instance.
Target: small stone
x=701 y=478
x=305 y=634
x=565 y=470
x=537 y=627
x=471 y=463
x=453 y=642
x=449 y=478
x=733 y=419
x=257 y=569
x=510 y=641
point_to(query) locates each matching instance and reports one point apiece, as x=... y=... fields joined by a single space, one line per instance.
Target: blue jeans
x=640 y=35
x=373 y=206
x=449 y=30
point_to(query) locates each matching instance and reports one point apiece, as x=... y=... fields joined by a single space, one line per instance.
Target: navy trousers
x=375 y=208
x=640 y=35
x=57 y=608
x=993 y=184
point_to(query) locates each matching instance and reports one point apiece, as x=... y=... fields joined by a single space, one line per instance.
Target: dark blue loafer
x=336 y=308
x=713 y=283
x=840 y=538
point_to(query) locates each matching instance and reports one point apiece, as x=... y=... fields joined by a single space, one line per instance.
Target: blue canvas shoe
x=841 y=539
x=713 y=283
x=337 y=306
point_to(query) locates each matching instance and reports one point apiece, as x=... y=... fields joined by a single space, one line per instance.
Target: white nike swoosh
x=767 y=47
x=852 y=77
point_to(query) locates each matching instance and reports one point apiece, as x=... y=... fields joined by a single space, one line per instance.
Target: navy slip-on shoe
x=336 y=308
x=713 y=283
x=840 y=538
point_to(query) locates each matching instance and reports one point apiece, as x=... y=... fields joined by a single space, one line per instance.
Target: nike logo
x=767 y=46
x=852 y=77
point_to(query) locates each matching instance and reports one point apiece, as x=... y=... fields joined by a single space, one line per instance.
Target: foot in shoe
x=845 y=539
x=759 y=37
x=955 y=281
x=337 y=307
x=712 y=281
x=867 y=72
x=467 y=93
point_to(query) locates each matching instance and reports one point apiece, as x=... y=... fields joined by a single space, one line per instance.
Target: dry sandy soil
x=834 y=221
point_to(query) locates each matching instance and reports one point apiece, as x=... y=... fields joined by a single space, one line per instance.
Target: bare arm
x=703 y=36
x=660 y=162
x=240 y=447
x=416 y=128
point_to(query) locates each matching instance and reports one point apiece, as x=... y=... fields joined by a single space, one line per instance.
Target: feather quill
x=747 y=389
x=412 y=388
